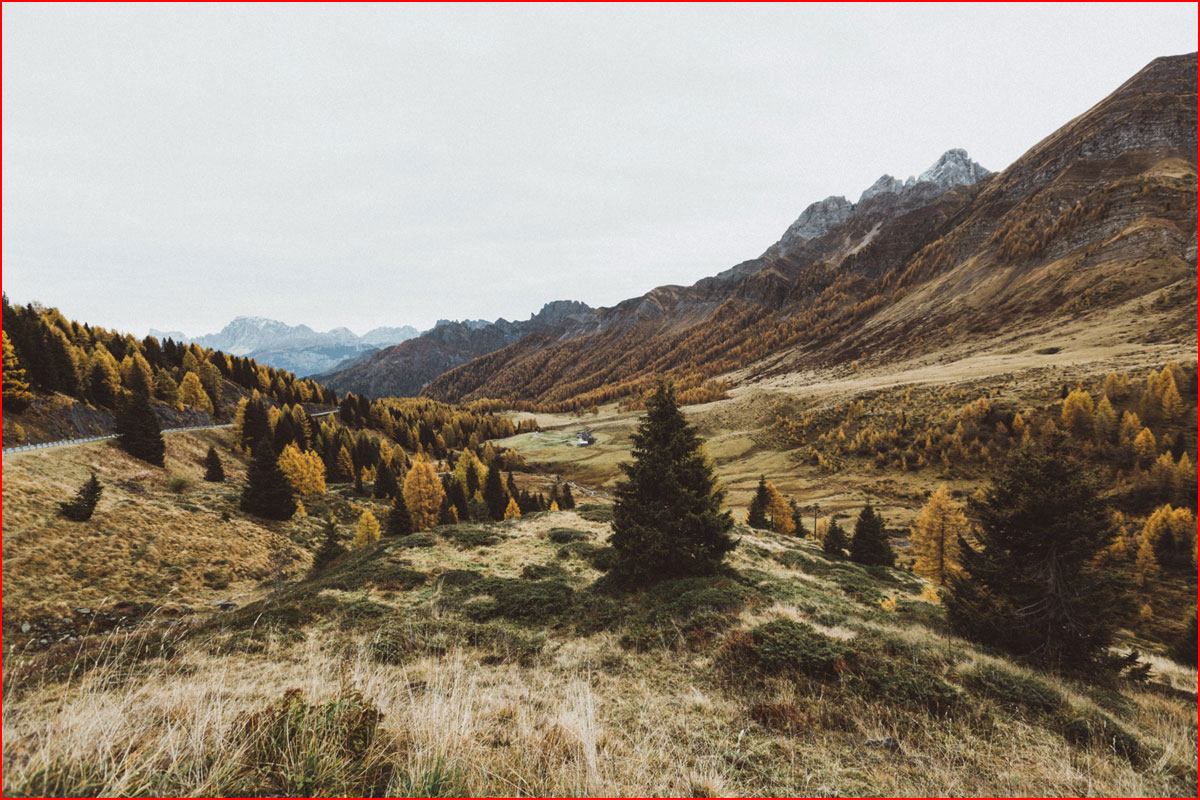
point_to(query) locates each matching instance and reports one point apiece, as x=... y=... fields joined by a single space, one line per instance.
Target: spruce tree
x=756 y=517
x=1183 y=649
x=1032 y=587
x=835 y=543
x=139 y=431
x=214 y=472
x=798 y=520
x=80 y=507
x=17 y=396
x=870 y=543
x=385 y=481
x=667 y=520
x=331 y=548
x=267 y=493
x=256 y=426
x=399 y=521
x=566 y=500
x=495 y=495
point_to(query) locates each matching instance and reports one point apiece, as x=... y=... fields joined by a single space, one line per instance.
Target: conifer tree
x=1145 y=447
x=870 y=544
x=331 y=548
x=447 y=515
x=667 y=519
x=1031 y=586
x=778 y=512
x=495 y=495
x=17 y=395
x=214 y=471
x=798 y=528
x=256 y=426
x=81 y=507
x=385 y=481
x=165 y=388
x=835 y=543
x=423 y=493
x=1106 y=421
x=1183 y=649
x=756 y=516
x=267 y=492
x=138 y=429
x=458 y=498
x=103 y=382
x=511 y=485
x=344 y=465
x=1172 y=403
x=566 y=500
x=512 y=510
x=1078 y=414
x=305 y=471
x=936 y=533
x=366 y=533
x=399 y=522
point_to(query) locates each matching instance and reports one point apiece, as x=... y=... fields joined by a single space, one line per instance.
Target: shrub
x=905 y=682
x=537 y=572
x=459 y=577
x=1089 y=727
x=467 y=538
x=567 y=535
x=81 y=507
x=396 y=643
x=523 y=601
x=178 y=483
x=595 y=512
x=785 y=647
x=1013 y=690
x=423 y=539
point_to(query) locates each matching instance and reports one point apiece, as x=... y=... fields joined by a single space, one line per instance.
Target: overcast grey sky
x=176 y=166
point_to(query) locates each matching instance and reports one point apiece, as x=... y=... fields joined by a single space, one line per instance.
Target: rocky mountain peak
x=817 y=219
x=954 y=168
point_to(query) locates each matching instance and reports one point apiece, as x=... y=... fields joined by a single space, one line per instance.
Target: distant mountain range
x=296 y=348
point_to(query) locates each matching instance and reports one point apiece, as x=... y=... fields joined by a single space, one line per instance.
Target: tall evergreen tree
x=756 y=517
x=835 y=543
x=494 y=494
x=385 y=481
x=214 y=471
x=80 y=507
x=256 y=426
x=267 y=493
x=17 y=396
x=139 y=431
x=331 y=548
x=870 y=544
x=399 y=521
x=1031 y=587
x=667 y=520
x=566 y=500
x=797 y=520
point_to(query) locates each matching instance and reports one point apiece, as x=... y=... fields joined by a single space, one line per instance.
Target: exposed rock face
x=886 y=183
x=954 y=168
x=817 y=219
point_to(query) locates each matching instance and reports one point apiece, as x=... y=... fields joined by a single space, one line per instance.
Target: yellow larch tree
x=512 y=511
x=367 y=531
x=344 y=465
x=779 y=511
x=1078 y=414
x=1145 y=447
x=1172 y=403
x=423 y=493
x=191 y=393
x=1106 y=420
x=304 y=470
x=935 y=534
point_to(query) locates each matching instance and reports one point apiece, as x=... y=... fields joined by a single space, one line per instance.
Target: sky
x=177 y=166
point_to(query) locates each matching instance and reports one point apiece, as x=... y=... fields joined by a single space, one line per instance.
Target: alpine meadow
x=904 y=505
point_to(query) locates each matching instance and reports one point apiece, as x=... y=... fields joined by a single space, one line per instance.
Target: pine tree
x=798 y=528
x=835 y=543
x=870 y=544
x=256 y=426
x=17 y=396
x=81 y=507
x=1031 y=587
x=385 y=481
x=936 y=533
x=423 y=493
x=566 y=500
x=331 y=548
x=267 y=492
x=139 y=432
x=512 y=510
x=667 y=520
x=494 y=495
x=214 y=471
x=366 y=533
x=756 y=516
x=399 y=522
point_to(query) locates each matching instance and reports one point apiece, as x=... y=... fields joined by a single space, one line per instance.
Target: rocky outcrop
x=817 y=219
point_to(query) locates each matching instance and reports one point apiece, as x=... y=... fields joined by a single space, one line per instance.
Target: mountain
x=1099 y=213
x=296 y=348
x=402 y=370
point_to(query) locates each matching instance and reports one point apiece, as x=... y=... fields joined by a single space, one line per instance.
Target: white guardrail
x=42 y=445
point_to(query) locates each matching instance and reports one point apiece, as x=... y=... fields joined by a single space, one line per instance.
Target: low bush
x=178 y=483
x=1013 y=691
x=784 y=647
x=467 y=538
x=594 y=512
x=539 y=572
x=455 y=578
x=422 y=539
x=567 y=535
x=532 y=602
x=1089 y=727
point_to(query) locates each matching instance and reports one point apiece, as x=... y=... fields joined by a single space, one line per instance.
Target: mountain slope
x=404 y=369
x=1101 y=211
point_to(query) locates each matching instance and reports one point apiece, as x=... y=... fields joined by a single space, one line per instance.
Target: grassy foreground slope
x=482 y=659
